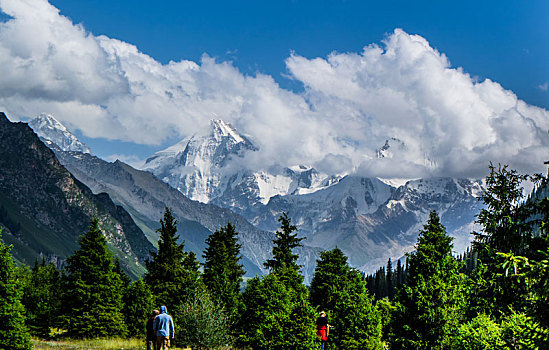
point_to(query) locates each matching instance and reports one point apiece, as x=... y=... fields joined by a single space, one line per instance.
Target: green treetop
x=222 y=269
x=428 y=307
x=172 y=274
x=94 y=289
x=286 y=240
x=340 y=290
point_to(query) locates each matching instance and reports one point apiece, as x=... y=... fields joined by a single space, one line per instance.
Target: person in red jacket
x=322 y=329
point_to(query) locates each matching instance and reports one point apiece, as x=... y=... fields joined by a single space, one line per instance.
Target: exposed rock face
x=47 y=209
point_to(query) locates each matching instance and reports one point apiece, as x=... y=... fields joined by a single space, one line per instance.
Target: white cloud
x=353 y=101
x=543 y=87
x=408 y=90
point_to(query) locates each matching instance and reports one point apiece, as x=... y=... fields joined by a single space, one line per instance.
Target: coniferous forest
x=493 y=296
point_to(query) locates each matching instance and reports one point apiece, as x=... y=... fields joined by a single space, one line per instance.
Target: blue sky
x=506 y=41
x=459 y=83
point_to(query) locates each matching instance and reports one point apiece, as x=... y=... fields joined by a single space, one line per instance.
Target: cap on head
x=163 y=309
x=322 y=313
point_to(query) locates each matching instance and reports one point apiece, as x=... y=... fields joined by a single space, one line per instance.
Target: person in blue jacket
x=163 y=326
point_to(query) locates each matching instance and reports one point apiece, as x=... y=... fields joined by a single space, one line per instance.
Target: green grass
x=97 y=344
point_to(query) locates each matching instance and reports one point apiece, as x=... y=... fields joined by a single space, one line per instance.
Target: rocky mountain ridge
x=45 y=209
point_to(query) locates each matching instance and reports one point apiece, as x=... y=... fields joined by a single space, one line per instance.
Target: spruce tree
x=172 y=274
x=330 y=276
x=341 y=291
x=506 y=222
x=13 y=331
x=503 y=220
x=222 y=269
x=274 y=316
x=42 y=299
x=428 y=307
x=389 y=279
x=399 y=275
x=94 y=289
x=276 y=313
x=284 y=243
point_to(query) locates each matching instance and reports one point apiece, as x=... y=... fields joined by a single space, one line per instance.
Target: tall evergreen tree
x=341 y=291
x=222 y=269
x=399 y=275
x=503 y=220
x=42 y=299
x=389 y=279
x=172 y=274
x=273 y=316
x=331 y=275
x=276 y=313
x=94 y=289
x=506 y=227
x=286 y=240
x=14 y=334
x=428 y=307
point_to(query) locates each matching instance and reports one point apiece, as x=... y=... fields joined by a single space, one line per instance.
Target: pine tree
x=222 y=269
x=330 y=276
x=284 y=243
x=276 y=313
x=94 y=289
x=274 y=316
x=341 y=291
x=503 y=221
x=428 y=307
x=42 y=299
x=172 y=274
x=389 y=279
x=506 y=227
x=138 y=305
x=13 y=331
x=399 y=275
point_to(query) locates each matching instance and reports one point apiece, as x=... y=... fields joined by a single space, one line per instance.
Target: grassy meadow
x=99 y=344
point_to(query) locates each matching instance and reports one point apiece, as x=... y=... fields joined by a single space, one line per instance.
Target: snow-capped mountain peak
x=221 y=129
x=196 y=166
x=51 y=130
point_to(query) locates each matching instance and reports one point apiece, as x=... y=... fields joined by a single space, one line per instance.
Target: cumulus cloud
x=450 y=123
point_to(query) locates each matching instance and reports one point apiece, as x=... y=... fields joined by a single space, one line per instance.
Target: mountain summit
x=194 y=165
x=52 y=131
x=210 y=167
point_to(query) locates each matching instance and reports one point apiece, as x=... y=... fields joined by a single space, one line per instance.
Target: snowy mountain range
x=370 y=219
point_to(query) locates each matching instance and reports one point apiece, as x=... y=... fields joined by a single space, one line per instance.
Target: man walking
x=163 y=326
x=151 y=334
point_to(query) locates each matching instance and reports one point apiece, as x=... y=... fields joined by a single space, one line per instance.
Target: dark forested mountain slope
x=44 y=208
